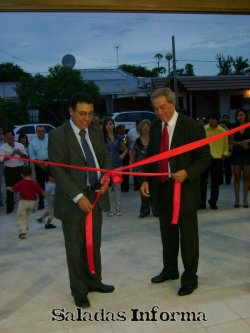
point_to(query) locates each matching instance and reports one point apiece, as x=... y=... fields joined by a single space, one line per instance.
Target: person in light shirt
x=12 y=166
x=38 y=150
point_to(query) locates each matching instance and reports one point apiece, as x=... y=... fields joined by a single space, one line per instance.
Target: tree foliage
x=232 y=66
x=158 y=57
x=224 y=64
x=12 y=113
x=137 y=70
x=188 y=70
x=11 y=73
x=241 y=66
x=51 y=94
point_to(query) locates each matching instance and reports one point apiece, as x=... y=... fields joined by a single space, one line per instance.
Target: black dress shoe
x=187 y=290
x=164 y=277
x=141 y=216
x=212 y=205
x=82 y=302
x=103 y=288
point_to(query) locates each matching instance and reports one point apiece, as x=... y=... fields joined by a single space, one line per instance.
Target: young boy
x=28 y=189
x=49 y=204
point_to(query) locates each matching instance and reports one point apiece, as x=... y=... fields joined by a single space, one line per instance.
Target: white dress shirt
x=170 y=128
x=6 y=149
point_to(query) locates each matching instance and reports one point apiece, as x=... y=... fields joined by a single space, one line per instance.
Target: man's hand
x=43 y=166
x=180 y=175
x=84 y=204
x=9 y=188
x=245 y=144
x=145 y=189
x=104 y=185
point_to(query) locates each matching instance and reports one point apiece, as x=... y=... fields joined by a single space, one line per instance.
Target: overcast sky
x=37 y=41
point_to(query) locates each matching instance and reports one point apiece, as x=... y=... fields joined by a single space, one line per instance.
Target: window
x=121 y=117
x=48 y=128
x=26 y=130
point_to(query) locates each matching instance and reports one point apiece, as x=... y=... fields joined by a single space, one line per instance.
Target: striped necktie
x=92 y=175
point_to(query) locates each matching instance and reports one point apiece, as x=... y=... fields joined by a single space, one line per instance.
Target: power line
x=18 y=58
x=197 y=60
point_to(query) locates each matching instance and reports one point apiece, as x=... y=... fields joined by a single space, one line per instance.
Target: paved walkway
x=34 y=278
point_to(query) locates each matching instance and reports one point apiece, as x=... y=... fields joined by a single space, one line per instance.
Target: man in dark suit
x=186 y=169
x=74 y=194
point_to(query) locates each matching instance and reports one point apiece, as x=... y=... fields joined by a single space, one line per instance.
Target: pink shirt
x=28 y=189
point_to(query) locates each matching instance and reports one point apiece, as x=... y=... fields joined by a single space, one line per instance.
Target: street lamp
x=169 y=57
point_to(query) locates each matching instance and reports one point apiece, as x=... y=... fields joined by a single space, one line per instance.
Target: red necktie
x=163 y=164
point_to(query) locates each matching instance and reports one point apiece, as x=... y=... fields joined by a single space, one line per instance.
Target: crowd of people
x=230 y=159
x=87 y=140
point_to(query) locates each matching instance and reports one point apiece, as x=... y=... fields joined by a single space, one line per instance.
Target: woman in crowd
x=121 y=130
x=23 y=139
x=115 y=145
x=138 y=153
x=241 y=158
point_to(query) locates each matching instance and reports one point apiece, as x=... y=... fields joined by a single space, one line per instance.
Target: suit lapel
x=177 y=133
x=74 y=143
x=157 y=134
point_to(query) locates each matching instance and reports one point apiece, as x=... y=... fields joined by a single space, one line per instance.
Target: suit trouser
x=75 y=244
x=41 y=179
x=12 y=176
x=186 y=230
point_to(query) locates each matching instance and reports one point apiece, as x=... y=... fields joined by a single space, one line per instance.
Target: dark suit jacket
x=194 y=162
x=63 y=147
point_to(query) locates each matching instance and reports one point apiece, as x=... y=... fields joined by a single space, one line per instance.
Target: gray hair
x=167 y=92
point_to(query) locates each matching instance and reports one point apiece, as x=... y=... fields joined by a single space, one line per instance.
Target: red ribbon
x=115 y=174
x=89 y=242
x=89 y=223
x=176 y=202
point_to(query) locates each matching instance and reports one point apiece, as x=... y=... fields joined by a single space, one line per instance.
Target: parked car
x=129 y=118
x=30 y=130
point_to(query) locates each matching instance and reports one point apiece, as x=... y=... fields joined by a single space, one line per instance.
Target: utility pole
x=174 y=73
x=117 y=54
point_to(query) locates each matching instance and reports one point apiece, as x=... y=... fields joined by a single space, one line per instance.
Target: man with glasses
x=79 y=143
x=38 y=150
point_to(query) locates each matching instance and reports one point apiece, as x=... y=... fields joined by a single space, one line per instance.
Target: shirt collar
x=76 y=129
x=172 y=121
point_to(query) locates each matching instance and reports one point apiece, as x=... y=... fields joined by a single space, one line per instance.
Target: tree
x=189 y=70
x=241 y=66
x=136 y=70
x=158 y=71
x=10 y=72
x=51 y=94
x=224 y=64
x=232 y=66
x=12 y=113
x=159 y=57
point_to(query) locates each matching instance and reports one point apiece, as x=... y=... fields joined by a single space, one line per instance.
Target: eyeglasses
x=85 y=114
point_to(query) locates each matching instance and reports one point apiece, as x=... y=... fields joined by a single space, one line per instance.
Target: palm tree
x=158 y=56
